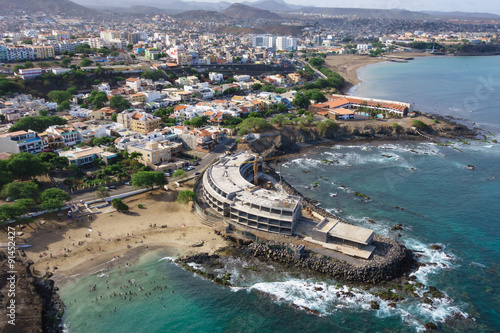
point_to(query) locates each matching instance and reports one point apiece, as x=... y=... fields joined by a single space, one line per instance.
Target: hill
x=266 y=29
x=400 y=14
x=200 y=15
x=240 y=11
x=65 y=7
x=463 y=16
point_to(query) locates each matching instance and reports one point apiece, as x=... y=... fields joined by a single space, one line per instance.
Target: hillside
x=368 y=13
x=272 y=29
x=200 y=15
x=240 y=11
x=48 y=6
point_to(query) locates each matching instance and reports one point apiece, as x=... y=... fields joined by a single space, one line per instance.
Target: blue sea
x=423 y=186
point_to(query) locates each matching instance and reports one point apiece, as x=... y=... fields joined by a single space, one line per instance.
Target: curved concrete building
x=227 y=190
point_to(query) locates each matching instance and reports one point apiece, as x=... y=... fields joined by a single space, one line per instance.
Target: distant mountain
x=273 y=5
x=368 y=13
x=200 y=14
x=463 y=16
x=65 y=7
x=240 y=11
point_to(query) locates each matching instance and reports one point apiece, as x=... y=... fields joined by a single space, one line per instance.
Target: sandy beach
x=347 y=65
x=82 y=245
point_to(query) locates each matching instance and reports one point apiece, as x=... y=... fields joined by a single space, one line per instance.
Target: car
x=113 y=187
x=127 y=183
x=9 y=199
x=197 y=173
x=167 y=174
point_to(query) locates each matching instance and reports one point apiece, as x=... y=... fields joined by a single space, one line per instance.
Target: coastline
x=348 y=65
x=66 y=250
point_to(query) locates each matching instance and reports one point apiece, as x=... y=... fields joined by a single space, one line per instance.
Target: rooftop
x=226 y=175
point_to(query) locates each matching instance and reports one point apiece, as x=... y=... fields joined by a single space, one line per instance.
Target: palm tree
x=102 y=193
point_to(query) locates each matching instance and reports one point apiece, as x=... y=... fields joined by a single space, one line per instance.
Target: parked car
x=127 y=183
x=197 y=173
x=113 y=187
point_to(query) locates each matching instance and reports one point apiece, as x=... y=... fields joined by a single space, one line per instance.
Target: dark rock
x=374 y=305
x=430 y=326
x=436 y=247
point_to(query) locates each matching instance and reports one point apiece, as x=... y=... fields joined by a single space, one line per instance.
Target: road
x=121 y=188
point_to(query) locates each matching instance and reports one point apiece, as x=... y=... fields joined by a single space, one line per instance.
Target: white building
x=216 y=77
x=286 y=43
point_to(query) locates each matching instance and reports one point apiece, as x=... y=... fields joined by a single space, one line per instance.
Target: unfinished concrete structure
x=227 y=190
x=346 y=238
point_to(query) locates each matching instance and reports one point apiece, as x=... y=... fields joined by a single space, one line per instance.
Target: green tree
x=37 y=124
x=186 y=196
x=279 y=120
x=18 y=190
x=119 y=205
x=64 y=106
x=59 y=96
x=301 y=100
x=252 y=125
x=26 y=165
x=53 y=199
x=66 y=62
x=325 y=125
x=98 y=99
x=28 y=64
x=179 y=174
x=12 y=212
x=148 y=179
x=86 y=62
x=102 y=193
x=119 y=103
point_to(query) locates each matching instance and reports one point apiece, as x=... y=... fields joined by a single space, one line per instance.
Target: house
x=140 y=122
x=156 y=152
x=102 y=114
x=52 y=141
x=138 y=98
x=134 y=83
x=216 y=77
x=21 y=141
x=85 y=156
x=68 y=133
x=198 y=139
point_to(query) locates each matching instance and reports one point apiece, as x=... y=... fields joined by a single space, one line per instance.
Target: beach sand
x=347 y=65
x=111 y=234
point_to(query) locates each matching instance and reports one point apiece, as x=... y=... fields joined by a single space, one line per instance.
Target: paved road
x=122 y=188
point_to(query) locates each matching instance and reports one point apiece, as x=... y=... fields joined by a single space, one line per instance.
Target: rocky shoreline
x=38 y=306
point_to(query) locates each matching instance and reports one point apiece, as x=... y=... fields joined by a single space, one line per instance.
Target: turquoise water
x=442 y=202
x=462 y=87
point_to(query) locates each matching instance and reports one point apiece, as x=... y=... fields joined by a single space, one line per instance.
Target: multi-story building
x=21 y=141
x=140 y=122
x=198 y=139
x=29 y=73
x=104 y=113
x=152 y=53
x=3 y=54
x=154 y=152
x=43 y=52
x=286 y=43
x=266 y=41
x=51 y=140
x=68 y=133
x=227 y=190
x=19 y=53
x=139 y=98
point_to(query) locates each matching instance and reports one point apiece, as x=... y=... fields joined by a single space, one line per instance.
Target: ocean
x=423 y=186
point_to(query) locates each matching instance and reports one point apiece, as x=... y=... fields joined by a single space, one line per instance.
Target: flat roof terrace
x=226 y=175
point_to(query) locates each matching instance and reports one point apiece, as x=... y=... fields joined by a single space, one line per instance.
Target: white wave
x=196 y=266
x=328 y=299
x=437 y=260
x=167 y=258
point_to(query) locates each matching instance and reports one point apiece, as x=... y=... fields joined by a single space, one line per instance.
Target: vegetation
x=119 y=205
x=119 y=103
x=419 y=125
x=20 y=190
x=179 y=173
x=325 y=125
x=252 y=125
x=102 y=193
x=148 y=179
x=53 y=199
x=186 y=196
x=98 y=99
x=37 y=124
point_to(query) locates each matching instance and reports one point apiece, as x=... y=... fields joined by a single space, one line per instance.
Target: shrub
x=140 y=206
x=119 y=205
x=419 y=124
